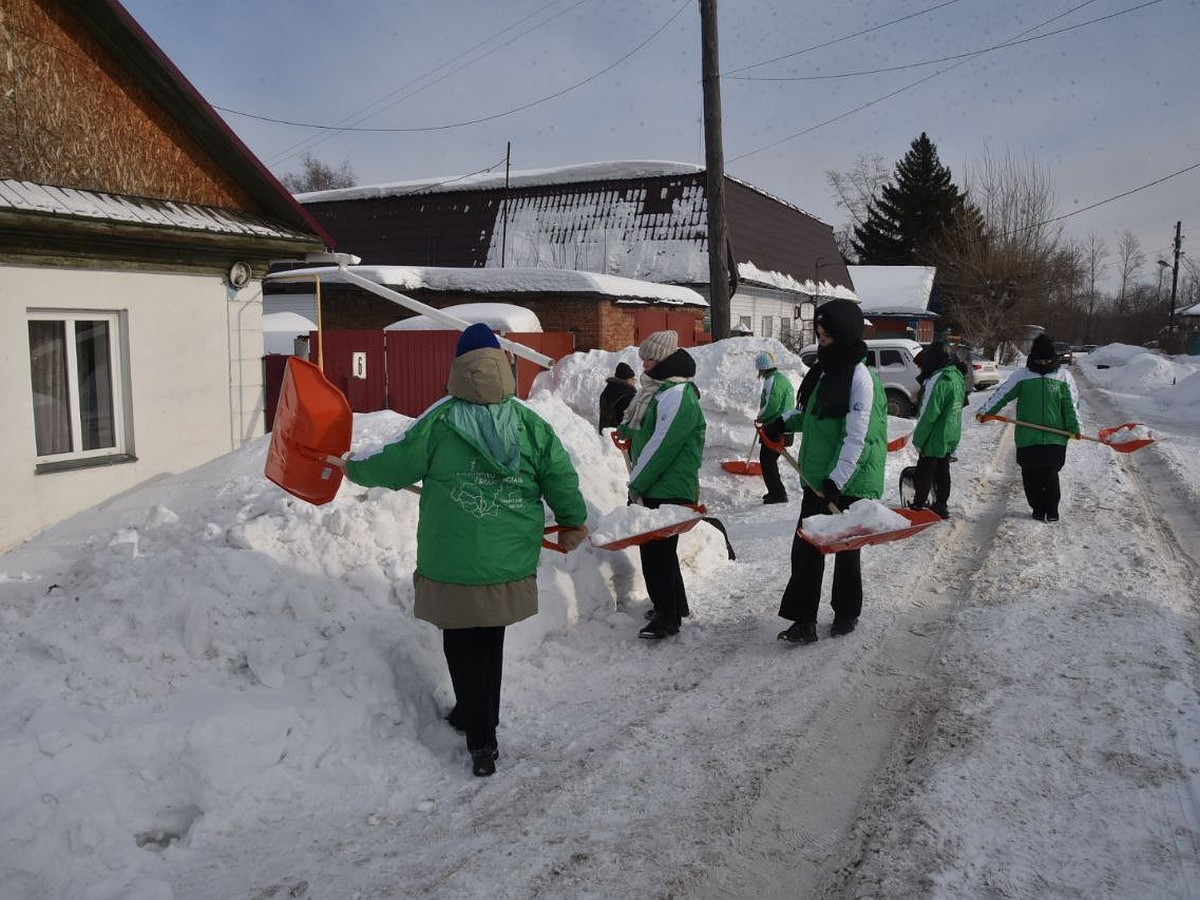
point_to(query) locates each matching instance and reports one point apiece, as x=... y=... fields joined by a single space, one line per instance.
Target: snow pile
x=1170 y=382
x=862 y=517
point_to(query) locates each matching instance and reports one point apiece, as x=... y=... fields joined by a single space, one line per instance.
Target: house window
x=768 y=323
x=78 y=388
x=785 y=328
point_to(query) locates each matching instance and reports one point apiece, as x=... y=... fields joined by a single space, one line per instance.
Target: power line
x=929 y=62
x=374 y=108
x=450 y=125
x=1148 y=184
x=830 y=43
x=899 y=90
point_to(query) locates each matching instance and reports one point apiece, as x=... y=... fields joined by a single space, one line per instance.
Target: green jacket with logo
x=481 y=520
x=851 y=449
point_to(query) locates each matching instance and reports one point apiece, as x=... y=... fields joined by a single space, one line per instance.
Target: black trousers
x=475 y=657
x=802 y=596
x=932 y=472
x=1040 y=465
x=769 y=460
x=664 y=581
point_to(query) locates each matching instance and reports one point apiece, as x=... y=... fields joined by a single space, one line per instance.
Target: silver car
x=893 y=360
x=987 y=373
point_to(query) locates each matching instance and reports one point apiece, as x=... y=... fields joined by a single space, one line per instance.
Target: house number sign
x=358 y=365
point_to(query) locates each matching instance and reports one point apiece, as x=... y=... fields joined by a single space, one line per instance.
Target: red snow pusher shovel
x=919 y=520
x=898 y=443
x=1110 y=437
x=745 y=466
x=312 y=421
x=658 y=533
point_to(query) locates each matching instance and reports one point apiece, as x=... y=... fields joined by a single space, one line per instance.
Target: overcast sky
x=1104 y=108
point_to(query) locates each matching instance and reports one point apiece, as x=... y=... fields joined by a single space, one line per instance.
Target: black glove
x=831 y=492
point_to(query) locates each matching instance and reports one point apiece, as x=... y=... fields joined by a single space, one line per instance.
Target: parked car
x=1063 y=353
x=987 y=373
x=893 y=360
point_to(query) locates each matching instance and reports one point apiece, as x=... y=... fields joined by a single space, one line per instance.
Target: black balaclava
x=1043 y=358
x=842 y=321
x=931 y=359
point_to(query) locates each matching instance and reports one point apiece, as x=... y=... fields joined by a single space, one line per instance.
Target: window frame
x=118 y=366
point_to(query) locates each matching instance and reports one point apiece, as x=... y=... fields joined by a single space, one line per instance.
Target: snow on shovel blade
x=742 y=466
x=313 y=420
x=1127 y=438
x=696 y=513
x=861 y=536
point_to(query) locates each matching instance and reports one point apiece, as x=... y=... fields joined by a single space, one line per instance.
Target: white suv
x=894 y=361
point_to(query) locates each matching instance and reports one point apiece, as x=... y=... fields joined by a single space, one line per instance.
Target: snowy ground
x=213 y=690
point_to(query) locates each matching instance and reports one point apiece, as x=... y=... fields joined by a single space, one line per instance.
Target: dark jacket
x=613 y=399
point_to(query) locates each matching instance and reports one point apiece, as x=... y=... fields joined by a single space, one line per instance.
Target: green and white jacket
x=939 y=421
x=850 y=450
x=1051 y=400
x=778 y=398
x=668 y=448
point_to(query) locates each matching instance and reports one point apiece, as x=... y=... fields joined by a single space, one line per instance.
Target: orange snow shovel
x=1110 y=437
x=658 y=533
x=898 y=443
x=919 y=520
x=745 y=466
x=313 y=420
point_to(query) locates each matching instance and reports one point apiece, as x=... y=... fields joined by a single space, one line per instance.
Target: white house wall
x=761 y=306
x=195 y=382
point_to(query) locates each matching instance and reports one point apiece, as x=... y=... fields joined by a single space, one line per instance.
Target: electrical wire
x=846 y=37
x=929 y=62
x=374 y=108
x=899 y=90
x=450 y=125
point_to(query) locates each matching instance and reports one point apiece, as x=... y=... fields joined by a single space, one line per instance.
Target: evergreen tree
x=906 y=222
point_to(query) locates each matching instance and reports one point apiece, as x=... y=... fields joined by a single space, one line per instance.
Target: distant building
x=645 y=221
x=896 y=299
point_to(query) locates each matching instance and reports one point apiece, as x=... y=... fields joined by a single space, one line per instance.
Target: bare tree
x=1007 y=266
x=316 y=175
x=854 y=190
x=1095 y=255
x=1130 y=259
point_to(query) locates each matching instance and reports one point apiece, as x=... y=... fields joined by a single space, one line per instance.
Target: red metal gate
x=354 y=362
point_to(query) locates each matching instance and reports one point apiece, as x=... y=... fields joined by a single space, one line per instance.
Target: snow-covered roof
x=503 y=317
x=288 y=323
x=508 y=281
x=1190 y=311
x=752 y=274
x=613 y=170
x=29 y=197
x=898 y=290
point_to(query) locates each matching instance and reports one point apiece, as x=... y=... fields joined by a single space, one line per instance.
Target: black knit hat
x=1043 y=348
x=624 y=371
x=842 y=321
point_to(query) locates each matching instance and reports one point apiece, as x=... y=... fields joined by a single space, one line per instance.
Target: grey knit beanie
x=659 y=346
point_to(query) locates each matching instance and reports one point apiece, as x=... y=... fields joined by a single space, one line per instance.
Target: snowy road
x=724 y=764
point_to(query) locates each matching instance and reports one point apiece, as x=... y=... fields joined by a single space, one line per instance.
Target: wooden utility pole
x=1177 y=243
x=714 y=162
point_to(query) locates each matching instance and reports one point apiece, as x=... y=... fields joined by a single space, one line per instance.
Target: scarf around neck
x=834 y=371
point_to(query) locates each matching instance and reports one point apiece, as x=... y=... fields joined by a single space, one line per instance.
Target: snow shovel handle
x=786 y=454
x=984 y=417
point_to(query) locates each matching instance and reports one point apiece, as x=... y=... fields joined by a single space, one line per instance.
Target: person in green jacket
x=1046 y=395
x=485 y=461
x=842 y=411
x=778 y=398
x=666 y=428
x=939 y=426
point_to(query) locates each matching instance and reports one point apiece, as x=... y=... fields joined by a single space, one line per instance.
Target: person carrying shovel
x=939 y=426
x=1046 y=396
x=842 y=411
x=666 y=427
x=776 y=400
x=485 y=461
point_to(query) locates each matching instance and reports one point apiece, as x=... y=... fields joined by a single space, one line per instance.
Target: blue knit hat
x=476 y=337
x=764 y=361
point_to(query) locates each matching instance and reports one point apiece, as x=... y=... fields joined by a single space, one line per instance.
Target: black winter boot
x=800 y=633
